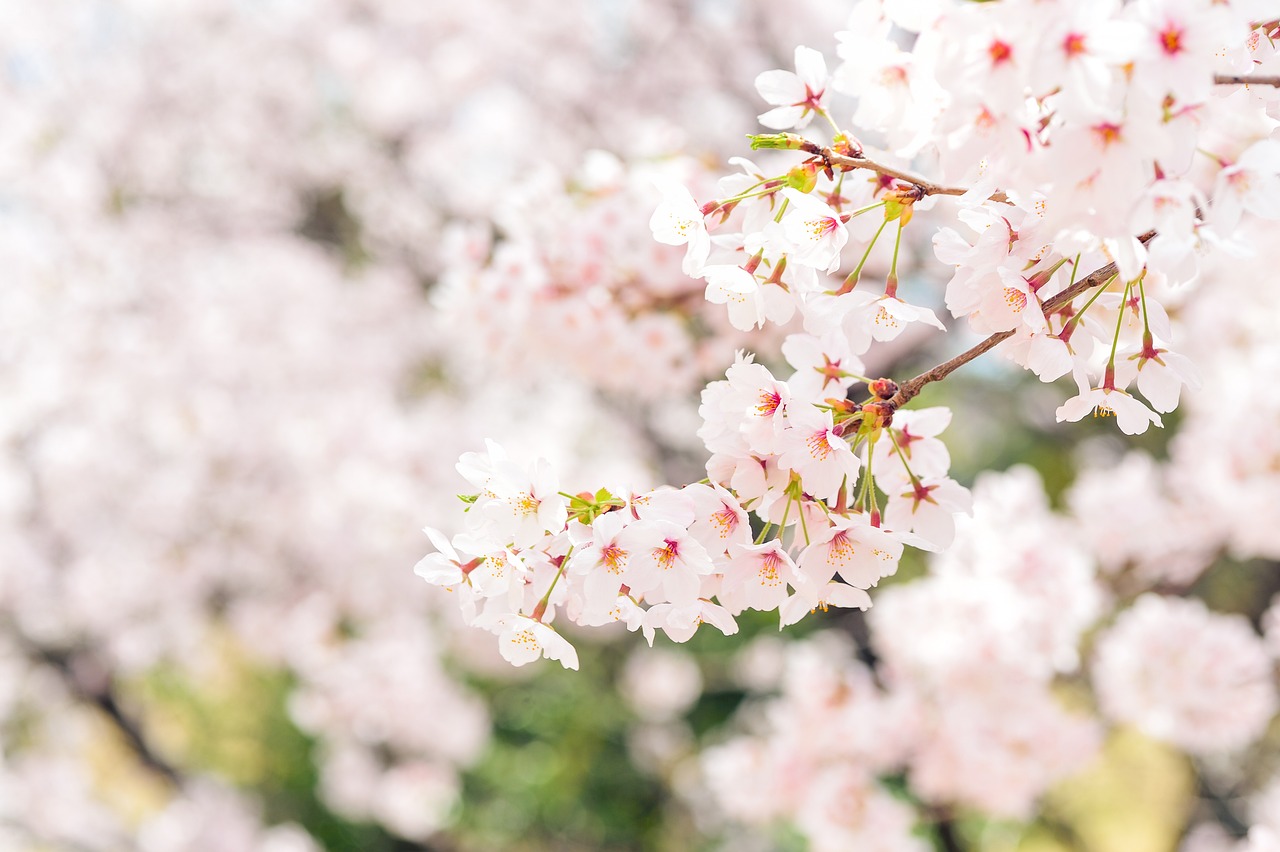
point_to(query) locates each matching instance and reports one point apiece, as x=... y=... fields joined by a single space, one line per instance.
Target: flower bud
x=847 y=146
x=803 y=177
x=883 y=388
x=779 y=141
x=876 y=415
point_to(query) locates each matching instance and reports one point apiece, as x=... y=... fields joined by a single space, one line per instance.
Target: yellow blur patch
x=1135 y=798
x=126 y=786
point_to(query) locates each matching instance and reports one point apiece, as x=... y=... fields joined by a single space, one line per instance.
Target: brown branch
x=1246 y=80
x=926 y=187
x=912 y=387
x=103 y=696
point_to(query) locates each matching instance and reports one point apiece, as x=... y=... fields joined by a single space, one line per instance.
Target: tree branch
x=912 y=387
x=104 y=698
x=1246 y=80
x=926 y=187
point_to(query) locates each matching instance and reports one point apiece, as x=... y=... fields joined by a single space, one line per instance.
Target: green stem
x=764 y=532
x=835 y=128
x=782 y=208
x=897 y=448
x=870 y=478
x=857 y=272
x=786 y=512
x=891 y=286
x=1147 y=339
x=1075 y=320
x=1109 y=378
x=804 y=525
x=542 y=604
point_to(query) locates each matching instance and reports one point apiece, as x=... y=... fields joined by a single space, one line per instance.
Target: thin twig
x=912 y=387
x=926 y=187
x=104 y=698
x=947 y=836
x=1246 y=80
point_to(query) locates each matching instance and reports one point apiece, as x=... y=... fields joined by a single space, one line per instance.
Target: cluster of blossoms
x=965 y=696
x=672 y=559
x=971 y=661
x=961 y=698
x=220 y=226
x=1067 y=266
x=1009 y=100
x=628 y=321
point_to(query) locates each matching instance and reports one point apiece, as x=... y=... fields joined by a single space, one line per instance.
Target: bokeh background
x=270 y=267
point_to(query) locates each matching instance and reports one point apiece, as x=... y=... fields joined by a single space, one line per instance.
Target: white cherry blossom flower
x=523 y=640
x=814 y=230
x=443 y=568
x=813 y=449
x=796 y=96
x=678 y=221
x=851 y=547
x=1159 y=374
x=1251 y=183
x=756 y=576
x=810 y=596
x=750 y=303
x=516 y=505
x=1131 y=416
x=665 y=562
x=681 y=621
x=928 y=509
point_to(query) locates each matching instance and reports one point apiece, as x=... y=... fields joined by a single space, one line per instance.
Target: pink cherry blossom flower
x=915 y=434
x=756 y=576
x=1186 y=675
x=665 y=562
x=825 y=366
x=813 y=449
x=601 y=561
x=860 y=553
x=719 y=521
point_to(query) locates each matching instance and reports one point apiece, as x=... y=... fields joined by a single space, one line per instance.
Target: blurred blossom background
x=271 y=266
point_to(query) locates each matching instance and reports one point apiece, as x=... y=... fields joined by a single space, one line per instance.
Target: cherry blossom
x=795 y=96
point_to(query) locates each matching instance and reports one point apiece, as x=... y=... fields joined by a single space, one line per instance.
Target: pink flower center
x=819 y=445
x=1107 y=133
x=614 y=558
x=1015 y=299
x=725 y=521
x=820 y=227
x=1171 y=39
x=666 y=556
x=768 y=403
x=769 y=564
x=841 y=549
x=1073 y=44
